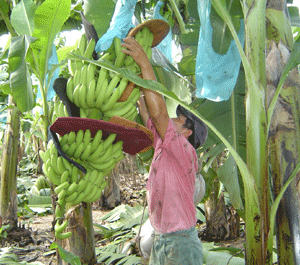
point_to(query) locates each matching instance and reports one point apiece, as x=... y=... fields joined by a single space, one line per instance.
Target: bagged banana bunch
x=101 y=106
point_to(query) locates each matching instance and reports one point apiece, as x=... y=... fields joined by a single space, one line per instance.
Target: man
x=170 y=188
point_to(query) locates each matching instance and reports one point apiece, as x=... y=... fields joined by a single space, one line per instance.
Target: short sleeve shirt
x=171 y=183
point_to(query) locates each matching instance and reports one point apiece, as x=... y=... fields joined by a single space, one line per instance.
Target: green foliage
x=123 y=224
x=99 y=13
x=3 y=232
x=20 y=79
x=22 y=17
x=221 y=34
x=48 y=20
x=65 y=255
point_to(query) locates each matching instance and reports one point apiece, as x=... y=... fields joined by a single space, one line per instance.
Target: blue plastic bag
x=166 y=45
x=216 y=74
x=120 y=24
x=52 y=60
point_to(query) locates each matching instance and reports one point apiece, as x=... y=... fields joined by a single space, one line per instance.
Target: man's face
x=179 y=122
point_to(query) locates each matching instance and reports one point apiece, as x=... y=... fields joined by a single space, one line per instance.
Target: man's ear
x=187 y=132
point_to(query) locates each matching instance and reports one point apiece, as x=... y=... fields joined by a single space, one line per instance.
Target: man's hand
x=136 y=51
x=138 y=54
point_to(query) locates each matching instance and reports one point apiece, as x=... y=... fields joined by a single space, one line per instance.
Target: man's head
x=190 y=126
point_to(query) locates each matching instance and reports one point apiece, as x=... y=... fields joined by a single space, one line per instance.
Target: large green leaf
x=20 y=79
x=22 y=17
x=222 y=37
x=99 y=13
x=294 y=16
x=228 y=117
x=49 y=18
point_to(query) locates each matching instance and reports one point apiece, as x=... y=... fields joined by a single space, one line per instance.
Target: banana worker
x=171 y=183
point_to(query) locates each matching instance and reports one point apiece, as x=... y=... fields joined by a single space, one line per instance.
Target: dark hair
x=199 y=129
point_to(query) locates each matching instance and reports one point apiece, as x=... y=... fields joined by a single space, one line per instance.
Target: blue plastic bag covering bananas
x=52 y=61
x=216 y=74
x=120 y=24
x=166 y=45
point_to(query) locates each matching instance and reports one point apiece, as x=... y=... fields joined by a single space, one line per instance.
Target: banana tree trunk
x=284 y=152
x=81 y=243
x=8 y=192
x=258 y=251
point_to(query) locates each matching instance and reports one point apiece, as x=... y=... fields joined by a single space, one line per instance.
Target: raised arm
x=155 y=102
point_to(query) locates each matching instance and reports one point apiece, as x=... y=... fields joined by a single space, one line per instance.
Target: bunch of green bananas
x=72 y=186
x=97 y=91
x=42 y=183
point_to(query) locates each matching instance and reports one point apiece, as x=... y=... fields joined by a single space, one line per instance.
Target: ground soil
x=31 y=242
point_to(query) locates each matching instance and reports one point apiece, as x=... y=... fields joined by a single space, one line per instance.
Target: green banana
x=74 y=174
x=117 y=146
x=82 y=44
x=62 y=194
x=79 y=136
x=83 y=74
x=91 y=69
x=100 y=95
x=96 y=196
x=83 y=113
x=82 y=97
x=67 y=165
x=90 y=49
x=115 y=95
x=102 y=76
x=65 y=176
x=96 y=153
x=79 y=150
x=112 y=85
x=72 y=188
x=77 y=78
x=87 y=136
x=96 y=140
x=83 y=182
x=130 y=112
x=87 y=151
x=60 y=165
x=109 y=163
x=72 y=148
x=76 y=95
x=53 y=160
x=65 y=147
x=109 y=140
x=71 y=197
x=134 y=115
x=79 y=199
x=64 y=139
x=71 y=67
x=91 y=194
x=61 y=187
x=104 y=157
x=121 y=111
x=71 y=137
x=52 y=176
x=59 y=228
x=88 y=188
x=47 y=155
x=119 y=62
x=90 y=96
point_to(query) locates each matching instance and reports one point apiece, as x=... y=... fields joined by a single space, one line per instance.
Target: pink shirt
x=171 y=183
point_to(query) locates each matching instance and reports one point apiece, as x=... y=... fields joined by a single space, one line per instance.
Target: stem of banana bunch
x=45 y=110
x=178 y=17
